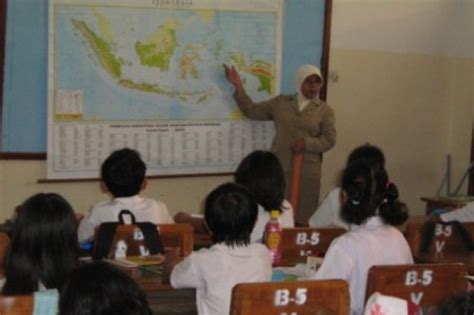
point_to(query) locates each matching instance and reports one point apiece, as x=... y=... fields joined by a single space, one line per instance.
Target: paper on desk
x=122 y=262
x=297 y=272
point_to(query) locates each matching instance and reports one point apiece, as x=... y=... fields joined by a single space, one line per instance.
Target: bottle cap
x=274 y=214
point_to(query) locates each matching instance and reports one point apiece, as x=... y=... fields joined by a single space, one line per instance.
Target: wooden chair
x=297 y=243
x=172 y=236
x=16 y=305
x=300 y=297
x=424 y=284
x=177 y=235
x=446 y=240
x=4 y=242
x=127 y=240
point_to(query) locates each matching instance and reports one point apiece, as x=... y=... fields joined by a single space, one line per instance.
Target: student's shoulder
x=102 y=205
x=258 y=249
x=348 y=240
x=335 y=193
x=154 y=202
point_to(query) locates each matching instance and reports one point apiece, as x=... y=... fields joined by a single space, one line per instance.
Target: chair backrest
x=297 y=243
x=300 y=297
x=178 y=236
x=445 y=238
x=114 y=240
x=4 y=242
x=16 y=305
x=423 y=284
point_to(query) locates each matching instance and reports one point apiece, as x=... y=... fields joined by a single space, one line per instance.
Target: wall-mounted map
x=149 y=75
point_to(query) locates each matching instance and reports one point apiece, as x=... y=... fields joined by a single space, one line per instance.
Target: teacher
x=303 y=123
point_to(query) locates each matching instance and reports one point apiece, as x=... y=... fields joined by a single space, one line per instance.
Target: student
x=101 y=289
x=123 y=175
x=230 y=212
x=44 y=247
x=262 y=174
x=303 y=124
x=329 y=211
x=374 y=241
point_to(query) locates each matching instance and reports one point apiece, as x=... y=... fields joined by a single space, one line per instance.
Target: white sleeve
x=164 y=216
x=185 y=275
x=464 y=214
x=86 y=229
x=337 y=263
x=328 y=211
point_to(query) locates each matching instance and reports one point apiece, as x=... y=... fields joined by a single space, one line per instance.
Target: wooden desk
x=162 y=298
x=427 y=285
x=446 y=246
x=466 y=259
x=443 y=203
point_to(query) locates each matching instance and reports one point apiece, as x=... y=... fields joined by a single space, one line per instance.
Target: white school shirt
x=215 y=271
x=352 y=254
x=329 y=212
x=286 y=220
x=144 y=209
x=464 y=214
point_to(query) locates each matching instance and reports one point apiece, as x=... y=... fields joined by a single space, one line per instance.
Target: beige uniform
x=315 y=123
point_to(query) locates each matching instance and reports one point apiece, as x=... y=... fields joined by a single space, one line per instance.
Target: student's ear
x=103 y=188
x=144 y=184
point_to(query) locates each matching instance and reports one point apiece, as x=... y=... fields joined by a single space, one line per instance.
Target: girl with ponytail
x=370 y=204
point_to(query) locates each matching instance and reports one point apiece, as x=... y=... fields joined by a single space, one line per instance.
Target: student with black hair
x=44 y=247
x=123 y=176
x=370 y=202
x=262 y=174
x=101 y=289
x=329 y=211
x=230 y=213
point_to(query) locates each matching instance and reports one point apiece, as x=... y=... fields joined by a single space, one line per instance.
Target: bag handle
x=126 y=212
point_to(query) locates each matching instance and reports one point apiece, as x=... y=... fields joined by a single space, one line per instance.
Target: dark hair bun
x=391 y=193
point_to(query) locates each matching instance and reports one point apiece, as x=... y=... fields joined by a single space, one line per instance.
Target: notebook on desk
x=136 y=261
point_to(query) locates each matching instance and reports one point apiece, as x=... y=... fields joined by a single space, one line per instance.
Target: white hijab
x=301 y=74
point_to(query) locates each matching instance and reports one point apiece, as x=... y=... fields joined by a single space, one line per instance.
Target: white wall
x=432 y=27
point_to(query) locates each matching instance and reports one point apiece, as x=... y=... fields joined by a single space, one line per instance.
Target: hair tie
x=391 y=193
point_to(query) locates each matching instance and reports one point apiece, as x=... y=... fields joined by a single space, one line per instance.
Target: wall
x=405 y=73
x=20 y=182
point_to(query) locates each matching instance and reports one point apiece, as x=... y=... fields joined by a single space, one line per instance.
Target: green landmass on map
x=261 y=69
x=103 y=50
x=158 y=48
x=112 y=64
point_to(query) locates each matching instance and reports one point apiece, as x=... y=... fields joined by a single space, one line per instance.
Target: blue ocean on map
x=184 y=80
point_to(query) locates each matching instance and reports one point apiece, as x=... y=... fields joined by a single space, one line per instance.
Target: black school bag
x=117 y=239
